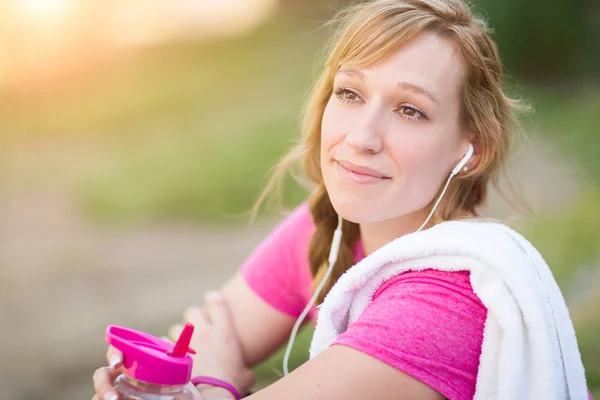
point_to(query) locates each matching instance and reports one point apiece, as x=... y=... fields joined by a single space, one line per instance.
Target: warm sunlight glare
x=42 y=10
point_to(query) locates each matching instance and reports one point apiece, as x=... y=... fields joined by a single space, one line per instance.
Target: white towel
x=529 y=348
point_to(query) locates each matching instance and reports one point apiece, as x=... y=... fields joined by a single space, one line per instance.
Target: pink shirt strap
x=207 y=380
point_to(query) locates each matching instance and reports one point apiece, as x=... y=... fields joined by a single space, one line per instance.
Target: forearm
x=261 y=329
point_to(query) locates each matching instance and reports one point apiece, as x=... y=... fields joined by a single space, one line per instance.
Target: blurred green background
x=136 y=135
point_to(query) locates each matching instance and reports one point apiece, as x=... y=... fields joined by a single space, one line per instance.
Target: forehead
x=426 y=60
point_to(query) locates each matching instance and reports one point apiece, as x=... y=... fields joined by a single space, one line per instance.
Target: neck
x=377 y=234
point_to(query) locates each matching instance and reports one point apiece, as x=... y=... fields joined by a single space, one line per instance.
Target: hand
x=218 y=353
x=103 y=377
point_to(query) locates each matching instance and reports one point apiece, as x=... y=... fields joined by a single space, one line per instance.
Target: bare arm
x=260 y=328
x=338 y=373
x=342 y=373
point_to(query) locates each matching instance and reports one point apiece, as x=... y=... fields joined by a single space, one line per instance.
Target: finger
x=103 y=378
x=195 y=316
x=175 y=332
x=218 y=311
x=206 y=316
x=114 y=357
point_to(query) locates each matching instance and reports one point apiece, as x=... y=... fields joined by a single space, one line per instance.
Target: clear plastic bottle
x=154 y=369
x=133 y=389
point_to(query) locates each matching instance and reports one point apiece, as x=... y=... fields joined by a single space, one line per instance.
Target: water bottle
x=154 y=369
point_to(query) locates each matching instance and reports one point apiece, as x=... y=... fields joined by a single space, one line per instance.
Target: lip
x=359 y=174
x=357 y=169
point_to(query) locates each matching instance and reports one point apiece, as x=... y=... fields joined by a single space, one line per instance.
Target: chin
x=355 y=210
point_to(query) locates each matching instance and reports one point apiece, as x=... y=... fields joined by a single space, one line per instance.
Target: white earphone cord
x=333 y=253
x=436 y=204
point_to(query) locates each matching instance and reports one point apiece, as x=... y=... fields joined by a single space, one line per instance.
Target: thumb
x=174 y=332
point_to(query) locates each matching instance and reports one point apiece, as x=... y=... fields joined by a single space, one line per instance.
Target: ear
x=477 y=149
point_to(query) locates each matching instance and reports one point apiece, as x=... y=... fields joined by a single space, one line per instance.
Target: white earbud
x=461 y=164
x=463 y=161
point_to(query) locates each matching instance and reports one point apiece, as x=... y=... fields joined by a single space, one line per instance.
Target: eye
x=346 y=95
x=410 y=113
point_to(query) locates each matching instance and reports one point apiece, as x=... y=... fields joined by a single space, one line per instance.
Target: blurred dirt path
x=63 y=280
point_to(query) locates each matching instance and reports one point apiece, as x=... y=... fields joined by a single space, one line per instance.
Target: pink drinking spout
x=182 y=347
x=151 y=359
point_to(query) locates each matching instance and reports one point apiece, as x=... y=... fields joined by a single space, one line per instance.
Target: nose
x=366 y=134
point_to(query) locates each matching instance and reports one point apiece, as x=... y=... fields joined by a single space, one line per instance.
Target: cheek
x=332 y=129
x=409 y=153
x=421 y=152
x=420 y=165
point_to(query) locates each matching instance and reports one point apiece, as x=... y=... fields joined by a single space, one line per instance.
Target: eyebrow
x=402 y=85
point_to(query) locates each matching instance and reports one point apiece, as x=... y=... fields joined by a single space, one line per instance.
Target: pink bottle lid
x=151 y=359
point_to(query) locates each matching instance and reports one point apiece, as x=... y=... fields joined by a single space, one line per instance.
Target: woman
x=411 y=90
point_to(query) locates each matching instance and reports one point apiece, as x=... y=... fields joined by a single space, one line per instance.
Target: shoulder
x=277 y=270
x=439 y=302
x=440 y=305
x=427 y=324
x=427 y=280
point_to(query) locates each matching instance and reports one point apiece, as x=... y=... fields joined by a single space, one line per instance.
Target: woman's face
x=391 y=132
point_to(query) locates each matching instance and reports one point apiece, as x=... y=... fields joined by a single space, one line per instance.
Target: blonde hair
x=369 y=32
